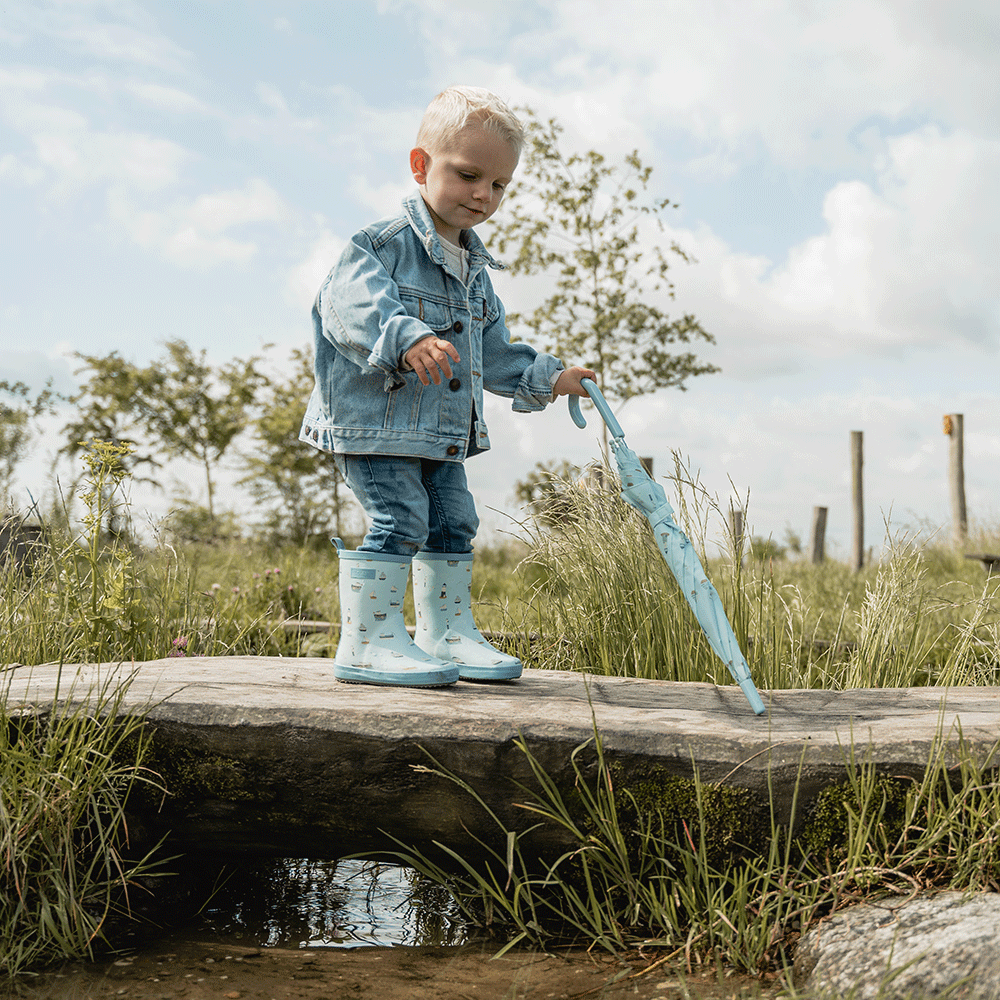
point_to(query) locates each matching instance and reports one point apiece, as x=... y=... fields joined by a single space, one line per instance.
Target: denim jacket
x=390 y=288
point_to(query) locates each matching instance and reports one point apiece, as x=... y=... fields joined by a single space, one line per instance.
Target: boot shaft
x=374 y=646
x=442 y=596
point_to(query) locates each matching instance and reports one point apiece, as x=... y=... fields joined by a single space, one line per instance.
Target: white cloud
x=801 y=79
x=83 y=158
x=69 y=154
x=124 y=32
x=193 y=233
x=382 y=199
x=368 y=132
x=905 y=264
x=257 y=201
x=136 y=170
x=170 y=99
x=913 y=261
x=305 y=278
x=272 y=97
x=19 y=172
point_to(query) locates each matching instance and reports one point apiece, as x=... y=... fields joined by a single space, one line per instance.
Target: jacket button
x=457 y=326
x=453 y=449
x=455 y=384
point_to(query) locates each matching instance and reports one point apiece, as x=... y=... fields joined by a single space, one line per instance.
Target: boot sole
x=415 y=679
x=488 y=675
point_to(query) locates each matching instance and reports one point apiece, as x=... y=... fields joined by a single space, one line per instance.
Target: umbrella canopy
x=647 y=496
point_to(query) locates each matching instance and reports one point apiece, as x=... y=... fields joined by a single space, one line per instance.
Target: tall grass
x=67 y=866
x=912 y=619
x=96 y=596
x=649 y=874
x=590 y=593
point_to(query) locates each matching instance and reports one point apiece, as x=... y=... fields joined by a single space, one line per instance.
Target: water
x=313 y=903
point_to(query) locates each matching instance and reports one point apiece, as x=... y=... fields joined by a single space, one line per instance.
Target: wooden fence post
x=857 y=499
x=817 y=537
x=736 y=530
x=954 y=427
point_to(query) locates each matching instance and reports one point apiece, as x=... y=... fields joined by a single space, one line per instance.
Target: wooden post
x=857 y=499
x=817 y=537
x=736 y=530
x=954 y=427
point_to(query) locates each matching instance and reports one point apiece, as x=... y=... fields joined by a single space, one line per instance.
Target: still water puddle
x=309 y=903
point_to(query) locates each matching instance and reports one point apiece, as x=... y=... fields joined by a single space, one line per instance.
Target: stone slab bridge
x=271 y=754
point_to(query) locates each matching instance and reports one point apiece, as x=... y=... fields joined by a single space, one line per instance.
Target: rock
x=271 y=754
x=20 y=544
x=912 y=948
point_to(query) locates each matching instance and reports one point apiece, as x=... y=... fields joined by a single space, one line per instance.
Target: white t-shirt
x=459 y=259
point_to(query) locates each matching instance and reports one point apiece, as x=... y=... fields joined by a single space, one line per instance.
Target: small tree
x=194 y=410
x=17 y=412
x=578 y=218
x=301 y=483
x=109 y=410
x=180 y=406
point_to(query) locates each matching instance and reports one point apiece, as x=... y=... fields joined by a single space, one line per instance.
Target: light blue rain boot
x=442 y=594
x=375 y=647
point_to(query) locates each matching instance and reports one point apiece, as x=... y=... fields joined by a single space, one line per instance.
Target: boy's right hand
x=429 y=359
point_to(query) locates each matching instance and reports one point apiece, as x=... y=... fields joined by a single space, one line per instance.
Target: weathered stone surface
x=907 y=948
x=270 y=753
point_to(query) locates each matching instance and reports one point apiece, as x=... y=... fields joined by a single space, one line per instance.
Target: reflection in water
x=306 y=903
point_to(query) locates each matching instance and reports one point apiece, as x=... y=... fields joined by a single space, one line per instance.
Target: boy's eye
x=466 y=176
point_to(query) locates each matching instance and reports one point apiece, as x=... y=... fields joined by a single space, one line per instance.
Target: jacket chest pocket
x=435 y=314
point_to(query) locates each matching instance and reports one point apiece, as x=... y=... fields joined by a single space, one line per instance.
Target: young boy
x=408 y=335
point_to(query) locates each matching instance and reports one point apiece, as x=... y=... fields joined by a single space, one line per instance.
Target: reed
x=917 y=617
x=648 y=876
x=67 y=865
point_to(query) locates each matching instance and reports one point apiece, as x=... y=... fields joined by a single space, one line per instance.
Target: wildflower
x=236 y=590
x=215 y=587
x=179 y=646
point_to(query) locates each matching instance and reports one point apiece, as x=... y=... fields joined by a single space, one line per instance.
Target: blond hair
x=454 y=109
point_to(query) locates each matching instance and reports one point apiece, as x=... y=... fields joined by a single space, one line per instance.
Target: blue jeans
x=414 y=504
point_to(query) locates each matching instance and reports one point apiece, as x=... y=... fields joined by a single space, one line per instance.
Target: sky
x=172 y=168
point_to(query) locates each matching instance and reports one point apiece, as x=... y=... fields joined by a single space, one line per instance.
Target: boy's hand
x=568 y=383
x=429 y=359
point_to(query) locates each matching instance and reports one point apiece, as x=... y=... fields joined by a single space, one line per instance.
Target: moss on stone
x=196 y=776
x=826 y=829
x=687 y=811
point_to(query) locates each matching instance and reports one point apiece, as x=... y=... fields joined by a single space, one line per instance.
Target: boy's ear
x=419 y=162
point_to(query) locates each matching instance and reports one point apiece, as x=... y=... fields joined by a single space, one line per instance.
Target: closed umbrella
x=647 y=497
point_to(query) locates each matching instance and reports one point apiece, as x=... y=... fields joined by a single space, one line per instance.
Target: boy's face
x=464 y=184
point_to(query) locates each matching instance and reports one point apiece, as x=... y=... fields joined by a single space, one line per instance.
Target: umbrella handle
x=602 y=407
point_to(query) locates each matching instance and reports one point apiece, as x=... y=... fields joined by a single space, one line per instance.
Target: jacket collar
x=423 y=225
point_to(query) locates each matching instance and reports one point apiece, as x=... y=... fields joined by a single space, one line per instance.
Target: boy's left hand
x=568 y=383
